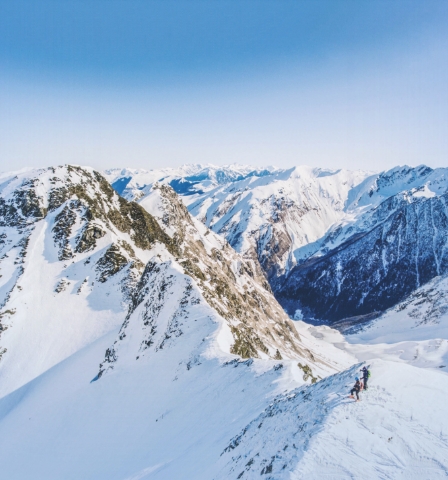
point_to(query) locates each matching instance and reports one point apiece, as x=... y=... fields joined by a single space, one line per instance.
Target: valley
x=209 y=322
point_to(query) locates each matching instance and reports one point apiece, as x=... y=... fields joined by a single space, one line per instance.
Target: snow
x=174 y=412
x=163 y=419
x=414 y=332
x=317 y=432
x=388 y=434
x=174 y=403
x=424 y=192
x=44 y=318
x=132 y=419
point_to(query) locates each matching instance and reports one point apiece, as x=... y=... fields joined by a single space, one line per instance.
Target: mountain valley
x=208 y=322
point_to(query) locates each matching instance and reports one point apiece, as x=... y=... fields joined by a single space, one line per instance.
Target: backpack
x=368 y=373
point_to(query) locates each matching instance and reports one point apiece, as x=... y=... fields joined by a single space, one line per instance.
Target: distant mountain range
x=332 y=244
x=151 y=323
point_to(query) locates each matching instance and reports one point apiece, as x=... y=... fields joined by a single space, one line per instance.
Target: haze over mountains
x=151 y=322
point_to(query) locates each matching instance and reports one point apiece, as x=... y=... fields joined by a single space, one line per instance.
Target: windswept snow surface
x=185 y=413
x=162 y=397
x=48 y=326
x=185 y=409
x=397 y=431
x=168 y=414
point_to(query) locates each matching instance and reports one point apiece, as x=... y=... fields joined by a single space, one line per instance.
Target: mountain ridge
x=69 y=240
x=292 y=219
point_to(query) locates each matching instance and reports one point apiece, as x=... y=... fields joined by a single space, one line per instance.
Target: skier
x=365 y=375
x=356 y=389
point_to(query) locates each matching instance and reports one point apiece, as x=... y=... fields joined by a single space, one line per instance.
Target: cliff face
x=392 y=251
x=77 y=260
x=205 y=280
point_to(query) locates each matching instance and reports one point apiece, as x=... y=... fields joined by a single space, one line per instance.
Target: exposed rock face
x=72 y=252
x=402 y=247
x=94 y=252
x=203 y=277
x=234 y=287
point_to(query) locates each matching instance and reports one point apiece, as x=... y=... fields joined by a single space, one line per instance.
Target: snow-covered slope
x=315 y=432
x=73 y=255
x=167 y=395
x=131 y=182
x=390 y=247
x=104 y=401
x=186 y=180
x=183 y=412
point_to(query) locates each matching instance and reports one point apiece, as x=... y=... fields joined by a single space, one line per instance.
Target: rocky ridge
x=95 y=253
x=203 y=270
x=334 y=245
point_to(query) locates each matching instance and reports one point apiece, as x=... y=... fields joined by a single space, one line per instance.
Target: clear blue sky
x=355 y=84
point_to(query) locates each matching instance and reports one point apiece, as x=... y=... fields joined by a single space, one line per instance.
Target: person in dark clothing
x=365 y=376
x=356 y=389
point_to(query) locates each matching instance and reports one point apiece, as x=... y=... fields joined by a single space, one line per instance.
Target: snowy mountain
x=271 y=217
x=332 y=244
x=71 y=252
x=315 y=430
x=191 y=411
x=393 y=244
x=185 y=180
x=136 y=343
x=77 y=260
x=204 y=271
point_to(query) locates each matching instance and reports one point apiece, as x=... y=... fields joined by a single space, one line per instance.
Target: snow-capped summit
x=136 y=343
x=307 y=226
x=186 y=180
x=70 y=244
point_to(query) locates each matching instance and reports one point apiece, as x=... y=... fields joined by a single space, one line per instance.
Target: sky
x=330 y=83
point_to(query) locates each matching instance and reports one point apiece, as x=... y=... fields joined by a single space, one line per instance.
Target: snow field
x=318 y=432
x=173 y=404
